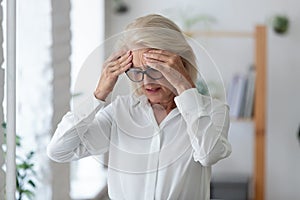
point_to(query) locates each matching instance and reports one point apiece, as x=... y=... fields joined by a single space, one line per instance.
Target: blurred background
x=54 y=37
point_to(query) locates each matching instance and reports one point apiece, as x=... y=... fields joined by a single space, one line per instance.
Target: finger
x=119 y=60
x=171 y=58
x=116 y=55
x=124 y=60
x=120 y=63
x=112 y=66
x=155 y=57
x=124 y=57
x=165 y=69
x=174 y=76
x=127 y=61
x=122 y=69
x=158 y=66
x=164 y=54
x=160 y=51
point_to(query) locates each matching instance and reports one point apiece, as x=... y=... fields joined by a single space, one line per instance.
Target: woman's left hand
x=172 y=68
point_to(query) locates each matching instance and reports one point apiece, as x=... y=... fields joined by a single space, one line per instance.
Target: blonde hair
x=159 y=32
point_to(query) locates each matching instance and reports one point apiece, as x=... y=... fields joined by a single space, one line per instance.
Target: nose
x=148 y=80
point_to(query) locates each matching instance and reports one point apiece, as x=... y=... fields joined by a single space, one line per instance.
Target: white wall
x=283 y=111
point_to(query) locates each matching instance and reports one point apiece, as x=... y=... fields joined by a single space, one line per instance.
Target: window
x=88 y=176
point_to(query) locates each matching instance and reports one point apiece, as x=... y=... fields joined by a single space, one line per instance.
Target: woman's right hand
x=115 y=65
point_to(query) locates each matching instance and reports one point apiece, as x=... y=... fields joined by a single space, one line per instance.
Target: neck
x=166 y=106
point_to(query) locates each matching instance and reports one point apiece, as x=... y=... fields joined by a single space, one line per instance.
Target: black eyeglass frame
x=143 y=72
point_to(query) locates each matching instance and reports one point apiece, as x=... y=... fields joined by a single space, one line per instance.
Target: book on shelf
x=240 y=94
x=250 y=91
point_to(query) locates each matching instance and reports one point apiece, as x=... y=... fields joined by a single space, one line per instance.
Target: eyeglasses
x=137 y=74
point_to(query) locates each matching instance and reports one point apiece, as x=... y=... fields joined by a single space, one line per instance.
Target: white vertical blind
x=2 y=173
x=11 y=101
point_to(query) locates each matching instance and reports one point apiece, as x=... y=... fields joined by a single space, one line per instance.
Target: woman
x=163 y=139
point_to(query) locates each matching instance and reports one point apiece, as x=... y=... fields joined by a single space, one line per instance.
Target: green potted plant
x=280 y=24
x=25 y=174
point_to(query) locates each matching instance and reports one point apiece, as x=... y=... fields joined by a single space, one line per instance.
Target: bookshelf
x=259 y=36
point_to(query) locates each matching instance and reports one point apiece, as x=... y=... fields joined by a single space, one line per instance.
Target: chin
x=154 y=99
x=158 y=94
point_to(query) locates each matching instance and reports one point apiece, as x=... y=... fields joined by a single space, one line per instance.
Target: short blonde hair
x=159 y=32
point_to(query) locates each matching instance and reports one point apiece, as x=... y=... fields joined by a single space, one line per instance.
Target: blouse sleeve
x=84 y=131
x=207 y=125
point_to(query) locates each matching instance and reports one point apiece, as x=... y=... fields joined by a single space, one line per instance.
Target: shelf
x=242 y=120
x=259 y=119
x=234 y=34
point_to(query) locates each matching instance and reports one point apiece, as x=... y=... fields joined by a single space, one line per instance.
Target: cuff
x=88 y=108
x=191 y=101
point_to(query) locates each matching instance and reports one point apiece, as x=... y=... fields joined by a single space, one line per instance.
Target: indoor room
x=71 y=70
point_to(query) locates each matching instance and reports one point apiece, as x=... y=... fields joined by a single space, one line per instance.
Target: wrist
x=100 y=95
x=180 y=89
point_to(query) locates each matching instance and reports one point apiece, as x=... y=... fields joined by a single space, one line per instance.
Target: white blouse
x=171 y=160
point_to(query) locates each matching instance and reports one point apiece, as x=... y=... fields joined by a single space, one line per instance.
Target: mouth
x=152 y=90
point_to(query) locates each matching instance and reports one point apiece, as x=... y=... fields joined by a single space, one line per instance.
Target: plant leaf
x=25 y=165
x=28 y=193
x=30 y=182
x=29 y=155
x=3 y=125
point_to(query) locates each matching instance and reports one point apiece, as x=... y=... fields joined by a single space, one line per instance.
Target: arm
x=207 y=120
x=81 y=133
x=207 y=125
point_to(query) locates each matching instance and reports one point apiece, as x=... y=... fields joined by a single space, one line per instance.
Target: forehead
x=137 y=59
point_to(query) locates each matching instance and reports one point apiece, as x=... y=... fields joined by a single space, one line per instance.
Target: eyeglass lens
x=137 y=75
